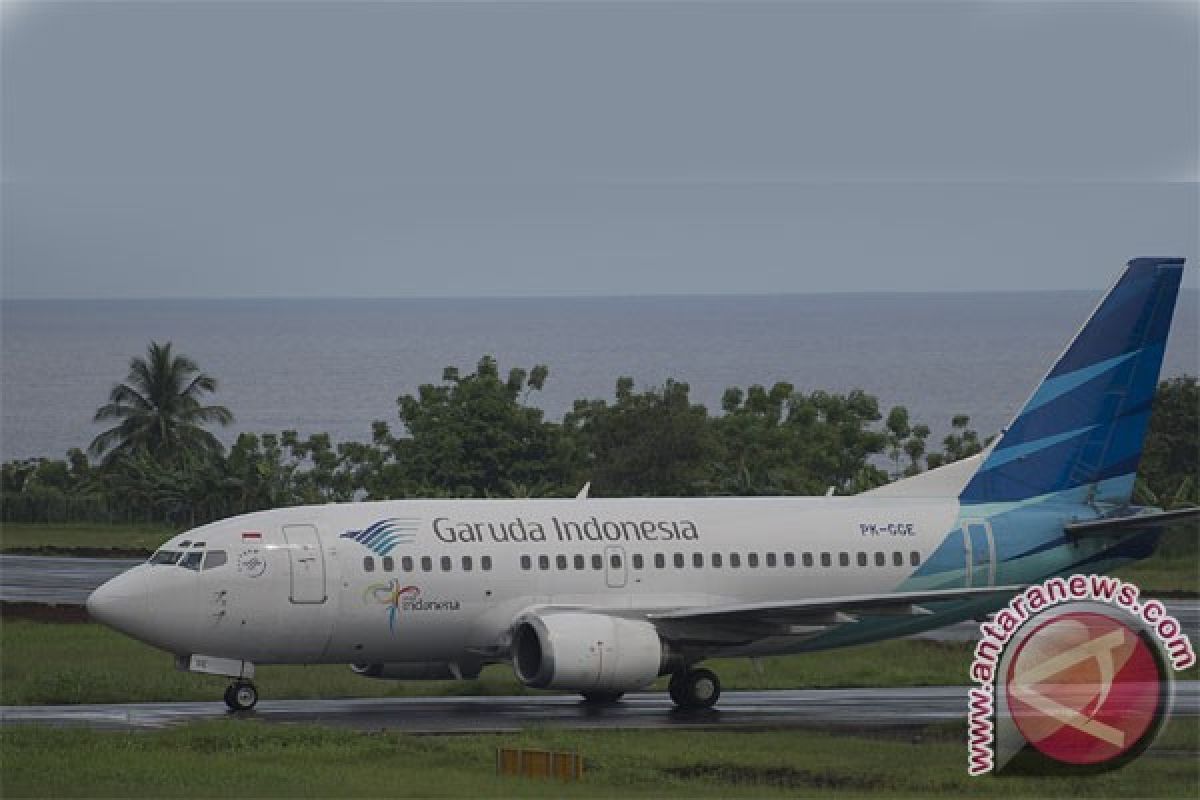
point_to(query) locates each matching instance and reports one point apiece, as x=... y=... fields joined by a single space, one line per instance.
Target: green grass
x=46 y=663
x=29 y=537
x=1179 y=576
x=247 y=758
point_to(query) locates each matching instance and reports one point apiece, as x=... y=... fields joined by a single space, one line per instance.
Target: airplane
x=603 y=596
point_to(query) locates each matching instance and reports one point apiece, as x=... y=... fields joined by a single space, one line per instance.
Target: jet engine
x=417 y=671
x=586 y=652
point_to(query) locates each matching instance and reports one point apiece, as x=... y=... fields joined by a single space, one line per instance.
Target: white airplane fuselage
x=603 y=595
x=297 y=592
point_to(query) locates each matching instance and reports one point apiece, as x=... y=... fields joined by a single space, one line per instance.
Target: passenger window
x=770 y=559
x=486 y=563
x=368 y=564
x=447 y=563
x=597 y=561
x=638 y=561
x=678 y=559
x=862 y=559
x=466 y=562
x=716 y=560
x=752 y=560
x=389 y=564
x=426 y=564
x=660 y=560
x=561 y=561
x=214 y=559
x=580 y=562
x=826 y=561
x=807 y=559
x=406 y=564
x=698 y=560
x=789 y=559
x=880 y=560
x=526 y=562
x=735 y=560
x=844 y=559
x=914 y=558
x=543 y=562
x=615 y=560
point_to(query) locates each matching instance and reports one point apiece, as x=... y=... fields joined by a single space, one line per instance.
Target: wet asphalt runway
x=61 y=581
x=816 y=708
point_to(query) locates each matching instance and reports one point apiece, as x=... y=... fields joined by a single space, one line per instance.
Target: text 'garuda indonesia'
x=591 y=529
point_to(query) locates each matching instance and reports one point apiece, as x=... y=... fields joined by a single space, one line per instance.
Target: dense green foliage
x=477 y=435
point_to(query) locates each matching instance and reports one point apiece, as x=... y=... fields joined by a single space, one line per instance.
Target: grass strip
x=248 y=758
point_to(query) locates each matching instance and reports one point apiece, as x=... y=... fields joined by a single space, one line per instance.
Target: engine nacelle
x=417 y=671
x=586 y=652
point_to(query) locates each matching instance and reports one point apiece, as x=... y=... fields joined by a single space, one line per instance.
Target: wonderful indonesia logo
x=1074 y=677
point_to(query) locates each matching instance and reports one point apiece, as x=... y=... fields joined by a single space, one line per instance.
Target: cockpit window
x=199 y=544
x=165 y=557
x=192 y=560
x=185 y=543
x=214 y=559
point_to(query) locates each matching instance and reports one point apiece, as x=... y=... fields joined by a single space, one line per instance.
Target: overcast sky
x=198 y=149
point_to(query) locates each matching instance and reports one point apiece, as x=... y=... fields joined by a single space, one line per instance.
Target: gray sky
x=407 y=149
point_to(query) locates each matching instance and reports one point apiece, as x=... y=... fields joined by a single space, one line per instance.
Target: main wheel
x=694 y=689
x=601 y=698
x=241 y=696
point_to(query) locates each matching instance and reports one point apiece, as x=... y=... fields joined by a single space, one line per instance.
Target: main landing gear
x=241 y=696
x=695 y=688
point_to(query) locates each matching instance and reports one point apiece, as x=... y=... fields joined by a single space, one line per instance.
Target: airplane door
x=307 y=563
x=980 y=552
x=614 y=566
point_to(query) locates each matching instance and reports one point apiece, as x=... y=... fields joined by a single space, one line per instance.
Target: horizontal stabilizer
x=1135 y=523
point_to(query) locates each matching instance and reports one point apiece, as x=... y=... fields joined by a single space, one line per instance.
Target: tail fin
x=1081 y=432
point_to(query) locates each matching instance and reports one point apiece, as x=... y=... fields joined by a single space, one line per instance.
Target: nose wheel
x=241 y=696
x=695 y=688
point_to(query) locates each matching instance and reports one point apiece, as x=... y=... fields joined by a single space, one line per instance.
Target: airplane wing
x=1132 y=523
x=747 y=621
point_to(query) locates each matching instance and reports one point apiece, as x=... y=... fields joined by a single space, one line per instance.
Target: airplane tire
x=601 y=698
x=695 y=689
x=241 y=696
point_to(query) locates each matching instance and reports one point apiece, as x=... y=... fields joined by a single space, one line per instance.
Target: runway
x=804 y=708
x=57 y=580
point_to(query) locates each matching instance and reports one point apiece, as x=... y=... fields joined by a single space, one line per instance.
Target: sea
x=336 y=365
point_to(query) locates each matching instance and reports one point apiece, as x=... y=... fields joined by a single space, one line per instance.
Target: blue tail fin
x=1081 y=432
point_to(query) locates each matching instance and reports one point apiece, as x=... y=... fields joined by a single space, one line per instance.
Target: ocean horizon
x=336 y=364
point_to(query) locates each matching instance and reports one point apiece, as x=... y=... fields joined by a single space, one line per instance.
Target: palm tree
x=159 y=410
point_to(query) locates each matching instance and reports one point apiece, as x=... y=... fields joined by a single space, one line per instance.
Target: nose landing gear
x=695 y=688
x=241 y=696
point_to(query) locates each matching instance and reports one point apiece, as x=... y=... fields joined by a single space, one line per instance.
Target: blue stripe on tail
x=1086 y=422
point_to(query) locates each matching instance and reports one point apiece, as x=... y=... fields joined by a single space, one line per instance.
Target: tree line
x=476 y=435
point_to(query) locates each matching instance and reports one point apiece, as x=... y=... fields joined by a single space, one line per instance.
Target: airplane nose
x=122 y=603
